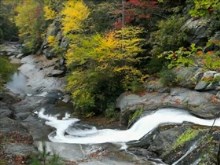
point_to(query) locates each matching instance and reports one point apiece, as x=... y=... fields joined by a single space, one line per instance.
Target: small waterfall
x=65 y=134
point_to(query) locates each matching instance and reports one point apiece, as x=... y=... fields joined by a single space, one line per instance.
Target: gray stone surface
x=8 y=125
x=19 y=149
x=202 y=104
x=5 y=112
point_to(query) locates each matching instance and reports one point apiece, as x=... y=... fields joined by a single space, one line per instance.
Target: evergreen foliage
x=169 y=35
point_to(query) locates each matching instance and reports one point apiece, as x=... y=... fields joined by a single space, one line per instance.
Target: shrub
x=30 y=23
x=169 y=35
x=193 y=56
x=168 y=77
x=6 y=69
x=102 y=68
x=205 y=8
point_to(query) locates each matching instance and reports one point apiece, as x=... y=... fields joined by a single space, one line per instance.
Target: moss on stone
x=137 y=113
x=186 y=136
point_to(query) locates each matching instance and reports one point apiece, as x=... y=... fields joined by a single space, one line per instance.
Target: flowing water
x=69 y=136
x=143 y=126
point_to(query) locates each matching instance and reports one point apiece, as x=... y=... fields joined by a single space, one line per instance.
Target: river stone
x=203 y=104
x=10 y=48
x=22 y=115
x=164 y=138
x=56 y=73
x=92 y=154
x=169 y=139
x=8 y=125
x=201 y=85
x=5 y=112
x=197 y=30
x=19 y=149
x=9 y=98
x=186 y=76
x=206 y=81
x=28 y=104
x=37 y=129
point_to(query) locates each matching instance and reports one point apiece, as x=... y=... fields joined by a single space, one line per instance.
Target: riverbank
x=34 y=88
x=23 y=133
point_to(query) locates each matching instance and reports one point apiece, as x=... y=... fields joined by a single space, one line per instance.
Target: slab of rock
x=8 y=125
x=37 y=129
x=10 y=48
x=19 y=149
x=5 y=112
x=56 y=73
x=197 y=30
x=173 y=144
x=207 y=81
x=203 y=104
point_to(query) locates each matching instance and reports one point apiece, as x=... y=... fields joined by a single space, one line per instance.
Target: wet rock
x=10 y=48
x=55 y=94
x=180 y=144
x=64 y=43
x=40 y=67
x=5 y=112
x=197 y=30
x=206 y=82
x=199 y=149
x=22 y=115
x=92 y=154
x=56 y=73
x=8 y=125
x=186 y=76
x=28 y=104
x=3 y=105
x=9 y=98
x=37 y=129
x=202 y=104
x=19 y=150
x=66 y=98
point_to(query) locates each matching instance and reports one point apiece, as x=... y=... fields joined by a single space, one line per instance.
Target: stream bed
x=37 y=90
x=45 y=111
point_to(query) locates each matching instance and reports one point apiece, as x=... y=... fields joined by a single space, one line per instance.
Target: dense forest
x=110 y=47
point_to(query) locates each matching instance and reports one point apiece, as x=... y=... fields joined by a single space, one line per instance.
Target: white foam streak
x=136 y=132
x=60 y=125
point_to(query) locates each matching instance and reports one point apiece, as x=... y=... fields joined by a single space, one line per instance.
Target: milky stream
x=64 y=133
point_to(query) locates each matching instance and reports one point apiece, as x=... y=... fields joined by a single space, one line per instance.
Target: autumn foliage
x=135 y=12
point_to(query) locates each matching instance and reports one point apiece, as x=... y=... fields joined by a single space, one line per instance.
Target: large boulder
x=5 y=112
x=197 y=78
x=180 y=144
x=203 y=104
x=197 y=30
x=8 y=125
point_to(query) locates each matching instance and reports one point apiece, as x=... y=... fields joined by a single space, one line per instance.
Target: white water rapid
x=146 y=124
